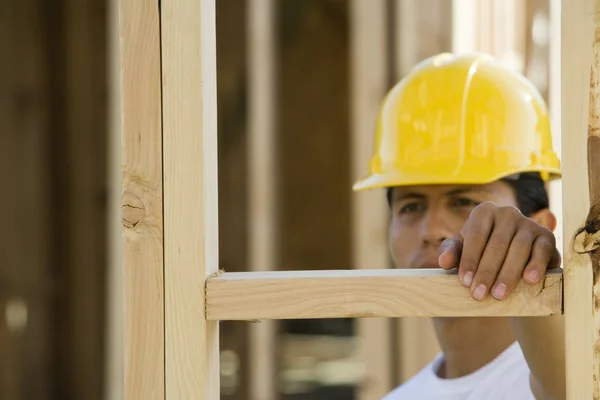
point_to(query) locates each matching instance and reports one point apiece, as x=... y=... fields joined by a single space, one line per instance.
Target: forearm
x=542 y=340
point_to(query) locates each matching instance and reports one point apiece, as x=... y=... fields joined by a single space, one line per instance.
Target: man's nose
x=434 y=228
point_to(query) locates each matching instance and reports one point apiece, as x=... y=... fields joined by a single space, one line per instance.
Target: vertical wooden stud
x=141 y=207
x=581 y=194
x=464 y=27
x=496 y=27
x=554 y=104
x=190 y=196
x=369 y=83
x=262 y=184
x=417 y=343
x=406 y=30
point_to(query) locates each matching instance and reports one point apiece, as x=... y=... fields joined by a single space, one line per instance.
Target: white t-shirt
x=504 y=378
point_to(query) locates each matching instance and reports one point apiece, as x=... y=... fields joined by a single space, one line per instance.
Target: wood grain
x=369 y=64
x=368 y=293
x=578 y=105
x=141 y=203
x=423 y=28
x=190 y=196
x=262 y=187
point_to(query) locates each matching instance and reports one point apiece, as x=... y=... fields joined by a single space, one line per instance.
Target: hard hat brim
x=393 y=178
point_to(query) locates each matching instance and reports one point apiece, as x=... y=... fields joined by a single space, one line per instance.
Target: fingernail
x=499 y=291
x=533 y=276
x=468 y=278
x=479 y=292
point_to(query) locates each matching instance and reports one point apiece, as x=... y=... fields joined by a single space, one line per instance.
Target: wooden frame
x=367 y=294
x=368 y=84
x=173 y=293
x=580 y=102
x=262 y=222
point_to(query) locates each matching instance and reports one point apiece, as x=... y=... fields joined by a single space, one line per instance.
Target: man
x=463 y=148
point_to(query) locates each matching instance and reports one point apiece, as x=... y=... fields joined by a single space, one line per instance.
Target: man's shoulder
x=407 y=390
x=507 y=377
x=413 y=387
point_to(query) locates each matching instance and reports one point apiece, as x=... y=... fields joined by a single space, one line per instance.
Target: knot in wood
x=587 y=238
x=132 y=210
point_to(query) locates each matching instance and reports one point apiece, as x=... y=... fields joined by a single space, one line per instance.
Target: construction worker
x=463 y=150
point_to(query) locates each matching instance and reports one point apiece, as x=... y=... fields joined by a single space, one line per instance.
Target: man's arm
x=542 y=340
x=495 y=249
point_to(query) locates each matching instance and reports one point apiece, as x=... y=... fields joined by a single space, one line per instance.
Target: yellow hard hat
x=460 y=119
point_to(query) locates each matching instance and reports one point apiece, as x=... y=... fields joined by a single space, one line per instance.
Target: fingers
x=451 y=252
x=542 y=253
x=497 y=248
x=476 y=234
x=492 y=260
x=514 y=264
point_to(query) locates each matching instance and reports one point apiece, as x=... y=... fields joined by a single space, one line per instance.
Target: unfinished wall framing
x=174 y=295
x=580 y=102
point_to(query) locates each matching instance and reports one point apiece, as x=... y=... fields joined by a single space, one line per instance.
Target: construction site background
x=56 y=90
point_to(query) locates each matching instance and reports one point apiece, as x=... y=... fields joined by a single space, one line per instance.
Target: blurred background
x=299 y=85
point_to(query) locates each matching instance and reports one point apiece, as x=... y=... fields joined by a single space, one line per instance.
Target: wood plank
x=464 y=26
x=141 y=209
x=190 y=196
x=496 y=27
x=262 y=178
x=369 y=77
x=554 y=104
x=368 y=293
x=581 y=194
x=423 y=28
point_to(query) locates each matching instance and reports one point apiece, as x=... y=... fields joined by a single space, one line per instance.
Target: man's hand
x=496 y=247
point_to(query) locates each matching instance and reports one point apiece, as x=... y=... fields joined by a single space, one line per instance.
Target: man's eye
x=464 y=202
x=410 y=208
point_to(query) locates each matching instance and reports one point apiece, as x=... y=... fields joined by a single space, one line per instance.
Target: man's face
x=422 y=217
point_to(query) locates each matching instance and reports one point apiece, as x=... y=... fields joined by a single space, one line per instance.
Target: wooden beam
x=423 y=28
x=262 y=175
x=496 y=27
x=141 y=207
x=368 y=293
x=581 y=194
x=406 y=29
x=554 y=103
x=369 y=83
x=190 y=196
x=464 y=26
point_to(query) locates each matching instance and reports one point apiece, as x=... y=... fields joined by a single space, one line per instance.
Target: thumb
x=451 y=250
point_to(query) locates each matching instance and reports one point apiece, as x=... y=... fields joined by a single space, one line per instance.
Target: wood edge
x=222 y=276
x=548 y=293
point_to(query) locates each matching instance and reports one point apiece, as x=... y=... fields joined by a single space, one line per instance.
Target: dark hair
x=531 y=192
x=529 y=189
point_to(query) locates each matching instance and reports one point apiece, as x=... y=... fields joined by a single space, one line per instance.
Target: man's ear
x=545 y=218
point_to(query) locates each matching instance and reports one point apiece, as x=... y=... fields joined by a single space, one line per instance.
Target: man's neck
x=470 y=343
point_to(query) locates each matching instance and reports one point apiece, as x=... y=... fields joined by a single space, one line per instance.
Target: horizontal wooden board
x=368 y=293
